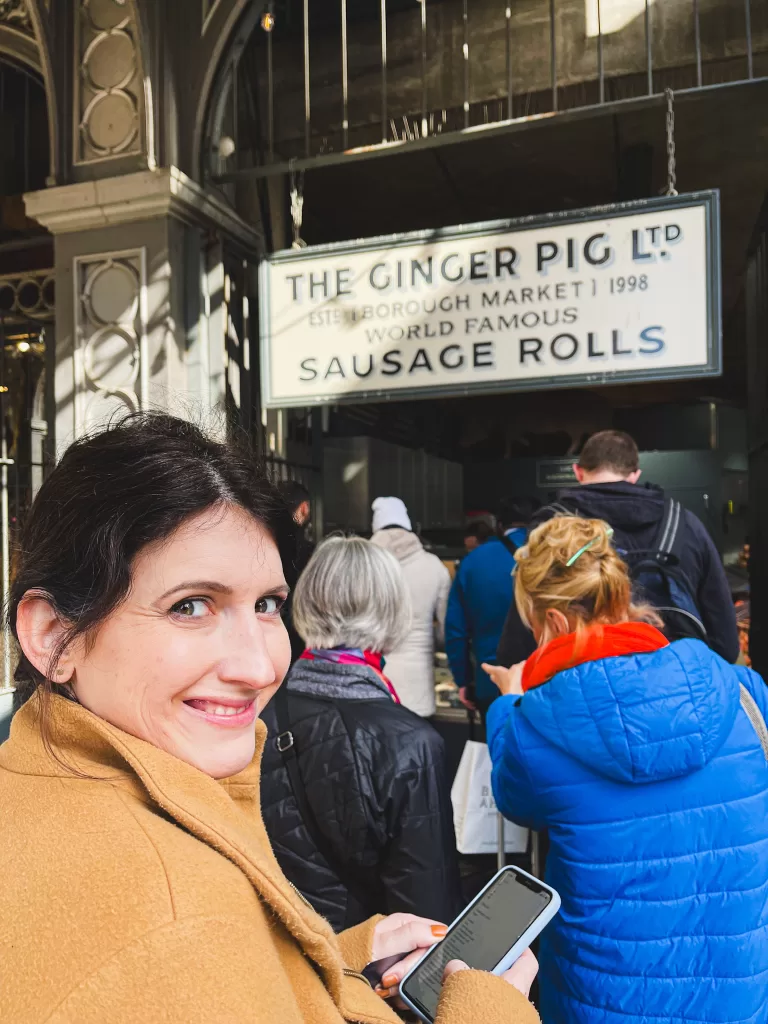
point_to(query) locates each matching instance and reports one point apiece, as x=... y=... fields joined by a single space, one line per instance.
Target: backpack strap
x=669 y=528
x=547 y=512
x=754 y=714
x=286 y=745
x=508 y=544
x=558 y=509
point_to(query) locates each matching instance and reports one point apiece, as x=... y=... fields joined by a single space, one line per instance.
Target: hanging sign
x=620 y=293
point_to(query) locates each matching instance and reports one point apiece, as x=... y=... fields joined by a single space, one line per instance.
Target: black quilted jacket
x=375 y=778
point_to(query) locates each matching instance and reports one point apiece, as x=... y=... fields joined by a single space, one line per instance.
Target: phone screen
x=481 y=937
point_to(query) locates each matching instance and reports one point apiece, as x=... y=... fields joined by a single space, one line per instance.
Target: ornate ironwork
x=27 y=296
x=15 y=14
x=108 y=89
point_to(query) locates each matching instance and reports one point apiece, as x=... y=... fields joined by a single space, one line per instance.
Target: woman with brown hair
x=138 y=883
x=646 y=761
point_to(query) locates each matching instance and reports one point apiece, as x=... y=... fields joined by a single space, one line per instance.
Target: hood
x=403 y=544
x=630 y=508
x=641 y=718
x=335 y=680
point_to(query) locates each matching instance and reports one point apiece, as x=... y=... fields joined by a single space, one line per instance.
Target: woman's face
x=198 y=647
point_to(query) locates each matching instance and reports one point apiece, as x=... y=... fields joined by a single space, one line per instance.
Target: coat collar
x=225 y=815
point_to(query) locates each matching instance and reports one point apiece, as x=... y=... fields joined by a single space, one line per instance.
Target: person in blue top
x=648 y=764
x=477 y=606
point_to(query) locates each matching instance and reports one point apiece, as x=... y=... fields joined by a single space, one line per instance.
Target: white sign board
x=622 y=293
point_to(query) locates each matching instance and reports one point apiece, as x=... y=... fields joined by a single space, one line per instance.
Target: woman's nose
x=246 y=657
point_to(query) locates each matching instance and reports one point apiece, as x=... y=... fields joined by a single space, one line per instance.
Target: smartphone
x=374 y=972
x=489 y=935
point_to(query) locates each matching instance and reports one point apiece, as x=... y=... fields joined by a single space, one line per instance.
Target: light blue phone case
x=522 y=943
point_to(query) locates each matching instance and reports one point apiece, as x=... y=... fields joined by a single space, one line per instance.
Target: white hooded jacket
x=411 y=666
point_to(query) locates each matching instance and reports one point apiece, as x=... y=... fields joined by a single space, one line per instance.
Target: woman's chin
x=223 y=763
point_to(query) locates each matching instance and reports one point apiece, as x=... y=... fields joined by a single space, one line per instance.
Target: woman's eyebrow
x=280 y=588
x=219 y=588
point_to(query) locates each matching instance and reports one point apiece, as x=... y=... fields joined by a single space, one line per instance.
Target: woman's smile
x=224 y=712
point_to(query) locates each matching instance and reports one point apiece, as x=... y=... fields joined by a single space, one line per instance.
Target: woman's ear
x=557 y=623
x=40 y=631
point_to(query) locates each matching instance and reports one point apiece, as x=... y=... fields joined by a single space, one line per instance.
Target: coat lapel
x=224 y=815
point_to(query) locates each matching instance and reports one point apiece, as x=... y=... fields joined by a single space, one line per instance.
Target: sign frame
x=709 y=199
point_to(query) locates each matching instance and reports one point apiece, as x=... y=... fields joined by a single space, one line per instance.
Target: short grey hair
x=352 y=594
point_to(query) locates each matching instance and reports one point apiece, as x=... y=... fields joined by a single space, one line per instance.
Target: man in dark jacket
x=609 y=473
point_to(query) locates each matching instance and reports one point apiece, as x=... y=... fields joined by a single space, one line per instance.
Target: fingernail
x=389 y=980
x=439 y=930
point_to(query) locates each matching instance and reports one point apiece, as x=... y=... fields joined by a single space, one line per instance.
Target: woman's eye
x=269 y=605
x=191 y=608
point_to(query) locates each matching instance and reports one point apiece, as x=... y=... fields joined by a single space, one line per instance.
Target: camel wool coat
x=135 y=890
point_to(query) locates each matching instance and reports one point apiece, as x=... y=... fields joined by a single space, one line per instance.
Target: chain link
x=671 y=157
x=297 y=208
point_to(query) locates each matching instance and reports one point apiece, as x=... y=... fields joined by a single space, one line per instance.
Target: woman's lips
x=228 y=714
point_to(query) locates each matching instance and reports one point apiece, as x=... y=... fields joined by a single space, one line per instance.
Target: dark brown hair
x=111 y=495
x=479 y=529
x=612 y=450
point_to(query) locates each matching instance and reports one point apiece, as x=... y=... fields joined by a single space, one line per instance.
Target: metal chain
x=297 y=208
x=671 y=157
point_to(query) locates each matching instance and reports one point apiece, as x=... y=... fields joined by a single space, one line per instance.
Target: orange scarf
x=591 y=644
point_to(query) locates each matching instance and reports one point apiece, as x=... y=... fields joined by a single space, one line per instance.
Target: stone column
x=141 y=296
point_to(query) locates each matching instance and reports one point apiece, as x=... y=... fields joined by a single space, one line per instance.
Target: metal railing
x=325 y=137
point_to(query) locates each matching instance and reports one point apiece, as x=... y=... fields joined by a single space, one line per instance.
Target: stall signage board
x=556 y=472
x=617 y=294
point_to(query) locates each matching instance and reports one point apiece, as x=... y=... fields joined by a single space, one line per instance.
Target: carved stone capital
x=145 y=195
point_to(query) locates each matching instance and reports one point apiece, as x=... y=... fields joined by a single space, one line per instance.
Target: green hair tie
x=587 y=546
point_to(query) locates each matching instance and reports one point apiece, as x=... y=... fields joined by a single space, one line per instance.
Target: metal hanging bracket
x=671 y=156
x=297 y=206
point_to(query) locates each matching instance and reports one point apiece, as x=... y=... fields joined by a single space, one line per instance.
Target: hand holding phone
x=491 y=934
x=521 y=975
x=413 y=935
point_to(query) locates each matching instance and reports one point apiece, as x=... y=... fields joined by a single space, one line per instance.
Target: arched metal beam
x=39 y=17
x=22 y=50
x=148 y=72
x=239 y=26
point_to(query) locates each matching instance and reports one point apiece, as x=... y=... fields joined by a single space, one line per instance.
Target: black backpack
x=658 y=578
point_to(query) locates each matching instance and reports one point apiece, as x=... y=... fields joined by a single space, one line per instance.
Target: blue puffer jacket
x=654 y=788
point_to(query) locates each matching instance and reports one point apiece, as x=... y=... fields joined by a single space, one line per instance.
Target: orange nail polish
x=439 y=930
x=389 y=981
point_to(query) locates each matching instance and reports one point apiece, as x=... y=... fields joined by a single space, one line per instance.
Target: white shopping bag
x=474 y=810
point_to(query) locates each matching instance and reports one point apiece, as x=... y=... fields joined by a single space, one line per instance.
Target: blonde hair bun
x=570 y=564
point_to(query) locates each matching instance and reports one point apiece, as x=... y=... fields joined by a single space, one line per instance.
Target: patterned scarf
x=352 y=656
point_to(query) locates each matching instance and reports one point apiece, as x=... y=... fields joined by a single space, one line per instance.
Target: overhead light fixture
x=268 y=20
x=23 y=346
x=3 y=389
x=226 y=146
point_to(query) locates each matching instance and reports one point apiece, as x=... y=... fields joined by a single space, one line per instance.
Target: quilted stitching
x=654 y=789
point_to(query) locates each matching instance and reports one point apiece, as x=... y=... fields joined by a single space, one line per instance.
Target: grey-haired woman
x=354 y=788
